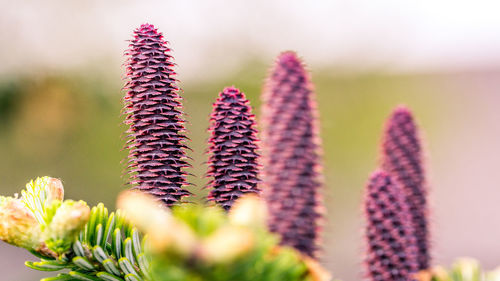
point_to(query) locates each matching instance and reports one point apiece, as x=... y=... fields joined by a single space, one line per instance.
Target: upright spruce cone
x=291 y=160
x=233 y=158
x=391 y=249
x=156 y=136
x=402 y=159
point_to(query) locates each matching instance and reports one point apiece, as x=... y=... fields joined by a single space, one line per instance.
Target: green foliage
x=188 y=243
x=262 y=261
x=108 y=248
x=259 y=265
x=464 y=269
x=193 y=243
x=201 y=220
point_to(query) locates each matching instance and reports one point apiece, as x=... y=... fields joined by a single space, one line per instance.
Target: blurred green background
x=60 y=100
x=68 y=125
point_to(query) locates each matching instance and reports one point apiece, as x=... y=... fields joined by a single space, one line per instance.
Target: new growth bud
x=40 y=221
x=18 y=226
x=68 y=220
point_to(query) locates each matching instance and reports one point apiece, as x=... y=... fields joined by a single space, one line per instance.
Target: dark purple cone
x=157 y=155
x=233 y=158
x=402 y=159
x=291 y=160
x=391 y=249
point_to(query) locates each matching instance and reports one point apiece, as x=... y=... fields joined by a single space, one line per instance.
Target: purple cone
x=233 y=156
x=291 y=155
x=402 y=159
x=153 y=111
x=391 y=249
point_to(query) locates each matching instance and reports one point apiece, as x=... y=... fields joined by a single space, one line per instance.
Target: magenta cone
x=391 y=245
x=402 y=159
x=233 y=156
x=291 y=155
x=153 y=111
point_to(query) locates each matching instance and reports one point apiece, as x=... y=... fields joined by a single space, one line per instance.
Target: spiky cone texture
x=153 y=110
x=232 y=161
x=391 y=246
x=402 y=159
x=291 y=155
